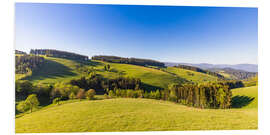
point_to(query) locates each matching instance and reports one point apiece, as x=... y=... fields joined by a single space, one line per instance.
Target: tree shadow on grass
x=241 y=101
x=148 y=87
x=50 y=69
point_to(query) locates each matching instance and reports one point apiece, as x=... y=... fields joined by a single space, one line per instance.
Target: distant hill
x=234 y=73
x=245 y=67
x=19 y=52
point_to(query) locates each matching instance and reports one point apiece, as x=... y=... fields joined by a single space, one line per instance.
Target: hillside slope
x=246 y=97
x=59 y=69
x=125 y=114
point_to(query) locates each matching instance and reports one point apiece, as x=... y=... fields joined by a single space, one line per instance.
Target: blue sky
x=216 y=35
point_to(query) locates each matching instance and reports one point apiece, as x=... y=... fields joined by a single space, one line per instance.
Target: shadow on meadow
x=241 y=101
x=50 y=69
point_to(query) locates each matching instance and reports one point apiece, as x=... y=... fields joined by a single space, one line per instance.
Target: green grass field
x=126 y=114
x=58 y=69
x=191 y=75
x=246 y=97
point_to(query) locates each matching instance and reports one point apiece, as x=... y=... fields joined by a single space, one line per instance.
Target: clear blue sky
x=217 y=35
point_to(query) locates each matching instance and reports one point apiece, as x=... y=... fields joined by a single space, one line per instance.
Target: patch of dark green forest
x=58 y=54
x=27 y=63
x=19 y=52
x=133 y=61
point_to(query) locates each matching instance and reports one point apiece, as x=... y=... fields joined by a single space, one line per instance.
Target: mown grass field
x=191 y=75
x=58 y=70
x=126 y=114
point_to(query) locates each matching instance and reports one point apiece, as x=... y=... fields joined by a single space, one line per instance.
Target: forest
x=59 y=54
x=133 y=61
x=27 y=63
x=19 y=52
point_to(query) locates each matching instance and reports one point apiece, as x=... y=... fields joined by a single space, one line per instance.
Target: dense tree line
x=133 y=61
x=196 y=69
x=208 y=95
x=204 y=95
x=19 y=52
x=27 y=63
x=101 y=84
x=24 y=88
x=58 y=54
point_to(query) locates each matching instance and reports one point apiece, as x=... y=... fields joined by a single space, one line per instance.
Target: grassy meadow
x=127 y=114
x=64 y=70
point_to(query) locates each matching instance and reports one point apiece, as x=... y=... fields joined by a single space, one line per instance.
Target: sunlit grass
x=125 y=114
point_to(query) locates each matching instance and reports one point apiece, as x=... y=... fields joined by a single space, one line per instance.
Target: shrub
x=81 y=94
x=152 y=95
x=32 y=101
x=90 y=94
x=72 y=96
x=123 y=93
x=172 y=96
x=118 y=93
x=56 y=101
x=140 y=93
x=22 y=106
x=157 y=94
x=146 y=94
x=130 y=93
x=106 y=96
x=111 y=94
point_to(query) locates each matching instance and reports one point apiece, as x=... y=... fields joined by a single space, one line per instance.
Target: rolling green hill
x=191 y=75
x=59 y=69
x=126 y=114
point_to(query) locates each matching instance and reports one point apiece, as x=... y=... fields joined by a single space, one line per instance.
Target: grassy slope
x=57 y=69
x=247 y=97
x=226 y=75
x=191 y=75
x=138 y=115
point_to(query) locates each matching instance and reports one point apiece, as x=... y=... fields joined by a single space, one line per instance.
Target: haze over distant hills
x=245 y=67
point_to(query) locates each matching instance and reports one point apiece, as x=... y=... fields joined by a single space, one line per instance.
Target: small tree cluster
x=107 y=67
x=81 y=94
x=126 y=93
x=90 y=94
x=30 y=103
x=64 y=91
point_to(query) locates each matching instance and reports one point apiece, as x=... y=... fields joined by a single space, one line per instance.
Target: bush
x=118 y=93
x=56 y=101
x=90 y=94
x=172 y=97
x=22 y=106
x=64 y=90
x=146 y=94
x=81 y=94
x=140 y=93
x=72 y=96
x=152 y=95
x=32 y=101
x=123 y=93
x=106 y=96
x=130 y=93
x=111 y=94
x=157 y=95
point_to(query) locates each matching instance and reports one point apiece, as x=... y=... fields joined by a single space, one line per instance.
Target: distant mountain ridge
x=244 y=67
